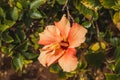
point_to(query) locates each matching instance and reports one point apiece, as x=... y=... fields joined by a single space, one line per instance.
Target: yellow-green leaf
x=96 y=46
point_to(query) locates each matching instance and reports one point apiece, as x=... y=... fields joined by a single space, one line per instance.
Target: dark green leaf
x=117 y=66
x=61 y=2
x=37 y=3
x=115 y=41
x=23 y=46
x=30 y=55
x=21 y=34
x=6 y=37
x=95 y=59
x=117 y=53
x=55 y=68
x=18 y=62
x=62 y=75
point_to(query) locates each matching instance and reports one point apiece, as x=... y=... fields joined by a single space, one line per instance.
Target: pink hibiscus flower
x=59 y=42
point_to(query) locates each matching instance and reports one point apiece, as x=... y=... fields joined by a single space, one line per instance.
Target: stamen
x=64 y=45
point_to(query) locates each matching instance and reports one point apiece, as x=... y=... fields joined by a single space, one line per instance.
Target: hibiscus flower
x=59 y=42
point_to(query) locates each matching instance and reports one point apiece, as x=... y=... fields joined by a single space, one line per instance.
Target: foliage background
x=99 y=57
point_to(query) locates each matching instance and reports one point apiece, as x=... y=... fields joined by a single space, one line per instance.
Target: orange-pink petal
x=50 y=35
x=64 y=26
x=68 y=61
x=43 y=57
x=76 y=35
x=54 y=57
x=48 y=56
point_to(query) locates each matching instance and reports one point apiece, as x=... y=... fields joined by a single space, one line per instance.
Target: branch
x=67 y=9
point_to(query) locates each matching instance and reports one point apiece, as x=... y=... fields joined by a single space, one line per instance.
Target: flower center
x=64 y=44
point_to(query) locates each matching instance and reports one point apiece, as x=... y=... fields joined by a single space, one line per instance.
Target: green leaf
x=55 y=68
x=30 y=55
x=81 y=65
x=6 y=37
x=107 y=3
x=0 y=41
x=4 y=28
x=87 y=24
x=2 y=13
x=116 y=17
x=116 y=7
x=115 y=41
x=4 y=49
x=61 y=2
x=24 y=3
x=18 y=4
x=88 y=13
x=62 y=75
x=14 y=13
x=111 y=76
x=117 y=66
x=37 y=3
x=34 y=40
x=23 y=46
x=95 y=59
x=117 y=53
x=35 y=14
x=9 y=22
x=18 y=62
x=21 y=33
x=91 y=4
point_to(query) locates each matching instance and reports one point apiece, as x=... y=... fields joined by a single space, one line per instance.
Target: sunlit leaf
x=4 y=27
x=9 y=22
x=18 y=4
x=91 y=4
x=37 y=3
x=107 y=3
x=96 y=46
x=2 y=13
x=87 y=24
x=116 y=17
x=4 y=49
x=111 y=76
x=88 y=13
x=35 y=14
x=14 y=13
